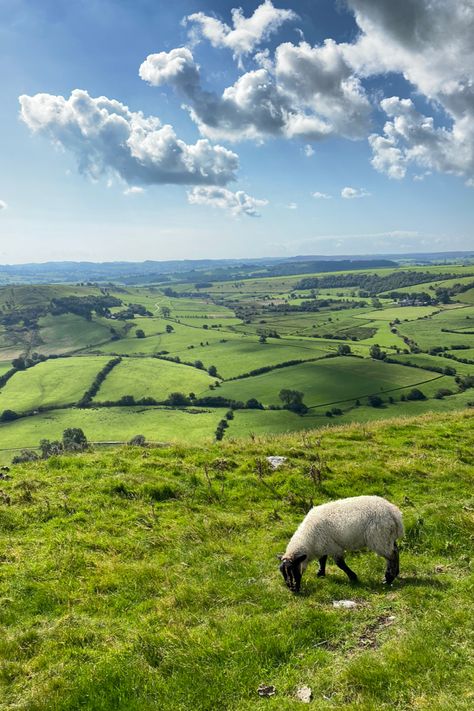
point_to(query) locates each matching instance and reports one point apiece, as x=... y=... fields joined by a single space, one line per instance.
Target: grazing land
x=360 y=344
x=141 y=578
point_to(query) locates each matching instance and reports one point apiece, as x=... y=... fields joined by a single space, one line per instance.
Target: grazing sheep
x=344 y=525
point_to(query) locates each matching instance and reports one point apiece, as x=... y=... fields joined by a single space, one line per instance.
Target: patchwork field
x=329 y=381
x=234 y=329
x=52 y=383
x=151 y=377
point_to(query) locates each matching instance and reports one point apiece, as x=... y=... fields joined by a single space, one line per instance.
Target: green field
x=112 y=424
x=143 y=579
x=151 y=377
x=55 y=382
x=329 y=381
x=68 y=332
x=238 y=327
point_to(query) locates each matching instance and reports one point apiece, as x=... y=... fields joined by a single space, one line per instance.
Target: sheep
x=343 y=525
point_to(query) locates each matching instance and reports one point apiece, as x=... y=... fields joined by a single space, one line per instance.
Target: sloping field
x=181 y=337
x=137 y=580
x=429 y=333
x=239 y=356
x=151 y=377
x=59 y=381
x=327 y=381
x=68 y=332
x=113 y=424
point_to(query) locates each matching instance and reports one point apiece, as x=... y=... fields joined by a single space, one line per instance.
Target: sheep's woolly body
x=347 y=525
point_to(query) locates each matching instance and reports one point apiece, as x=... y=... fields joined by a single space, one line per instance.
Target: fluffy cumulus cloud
x=307 y=92
x=107 y=138
x=3 y=205
x=354 y=193
x=321 y=196
x=317 y=92
x=246 y=33
x=430 y=43
x=238 y=203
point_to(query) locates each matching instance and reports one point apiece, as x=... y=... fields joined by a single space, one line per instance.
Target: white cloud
x=353 y=193
x=238 y=203
x=306 y=93
x=292 y=206
x=133 y=190
x=3 y=205
x=246 y=33
x=321 y=196
x=412 y=138
x=430 y=43
x=308 y=150
x=107 y=138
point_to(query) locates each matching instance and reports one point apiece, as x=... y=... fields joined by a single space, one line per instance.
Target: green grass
x=151 y=377
x=428 y=332
x=68 y=332
x=55 y=382
x=404 y=313
x=112 y=424
x=134 y=579
x=328 y=381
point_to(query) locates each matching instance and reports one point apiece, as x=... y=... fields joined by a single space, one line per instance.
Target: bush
x=9 y=416
x=254 y=404
x=416 y=394
x=49 y=449
x=74 y=440
x=443 y=392
x=140 y=333
x=138 y=440
x=26 y=455
x=343 y=349
x=375 y=401
x=177 y=399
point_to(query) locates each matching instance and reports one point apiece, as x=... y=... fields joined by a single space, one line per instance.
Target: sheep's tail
x=397 y=517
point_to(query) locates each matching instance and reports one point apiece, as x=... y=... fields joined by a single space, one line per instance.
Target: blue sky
x=378 y=123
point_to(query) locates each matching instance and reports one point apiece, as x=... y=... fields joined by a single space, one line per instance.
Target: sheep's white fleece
x=347 y=525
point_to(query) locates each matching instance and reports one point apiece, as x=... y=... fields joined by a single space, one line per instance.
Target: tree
x=74 y=440
x=375 y=401
x=199 y=364
x=376 y=353
x=253 y=404
x=48 y=448
x=165 y=311
x=416 y=394
x=9 y=416
x=140 y=333
x=177 y=399
x=169 y=328
x=262 y=338
x=293 y=400
x=138 y=440
x=212 y=370
x=343 y=349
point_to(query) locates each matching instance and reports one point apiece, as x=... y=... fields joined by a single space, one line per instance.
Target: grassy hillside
x=138 y=579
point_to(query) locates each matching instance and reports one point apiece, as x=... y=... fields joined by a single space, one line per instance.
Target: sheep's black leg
x=322 y=567
x=393 y=566
x=341 y=563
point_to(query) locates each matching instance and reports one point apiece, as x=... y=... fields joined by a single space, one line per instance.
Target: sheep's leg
x=341 y=563
x=393 y=565
x=322 y=567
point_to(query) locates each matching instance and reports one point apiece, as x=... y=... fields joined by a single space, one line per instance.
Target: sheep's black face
x=292 y=573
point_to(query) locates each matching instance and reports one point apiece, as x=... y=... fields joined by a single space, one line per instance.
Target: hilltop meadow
x=146 y=577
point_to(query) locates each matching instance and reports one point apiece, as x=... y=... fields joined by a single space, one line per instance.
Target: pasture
x=142 y=579
x=329 y=381
x=53 y=383
x=152 y=377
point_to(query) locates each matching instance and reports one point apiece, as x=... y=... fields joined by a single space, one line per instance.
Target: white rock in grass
x=346 y=604
x=276 y=462
x=304 y=694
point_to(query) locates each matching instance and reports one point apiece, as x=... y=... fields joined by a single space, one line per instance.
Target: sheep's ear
x=300 y=558
x=280 y=557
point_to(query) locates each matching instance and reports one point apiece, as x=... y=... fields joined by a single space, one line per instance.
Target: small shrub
x=138 y=440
